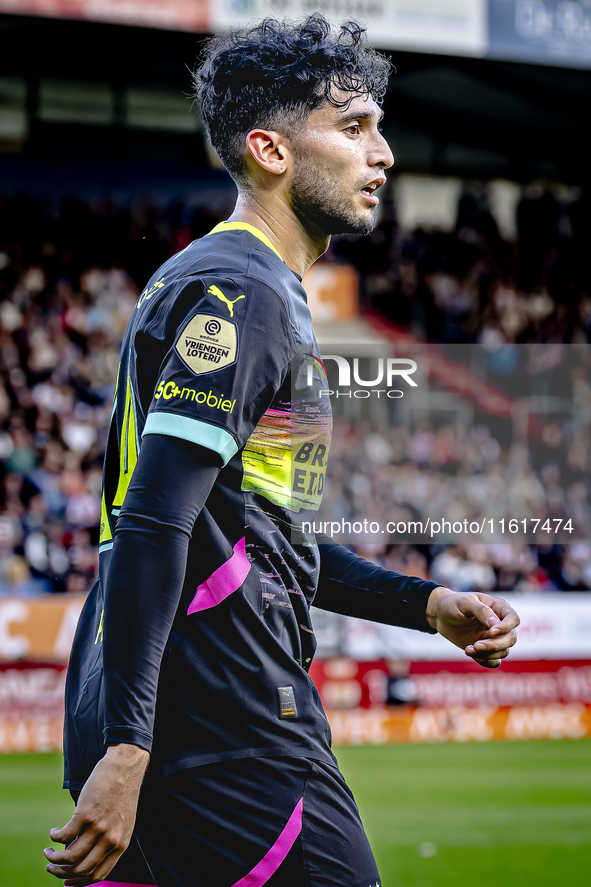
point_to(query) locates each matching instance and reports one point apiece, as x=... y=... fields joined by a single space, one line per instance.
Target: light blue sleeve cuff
x=210 y=436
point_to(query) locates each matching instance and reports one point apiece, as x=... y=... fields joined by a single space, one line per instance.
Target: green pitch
x=492 y=815
x=509 y=814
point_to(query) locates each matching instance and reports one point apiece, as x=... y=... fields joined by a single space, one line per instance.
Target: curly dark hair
x=275 y=73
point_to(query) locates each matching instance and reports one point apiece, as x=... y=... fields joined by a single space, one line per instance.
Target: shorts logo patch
x=287 y=704
x=207 y=343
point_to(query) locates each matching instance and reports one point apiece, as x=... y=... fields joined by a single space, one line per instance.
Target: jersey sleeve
x=228 y=355
x=145 y=578
x=355 y=587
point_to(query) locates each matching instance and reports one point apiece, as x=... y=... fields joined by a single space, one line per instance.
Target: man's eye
x=355 y=129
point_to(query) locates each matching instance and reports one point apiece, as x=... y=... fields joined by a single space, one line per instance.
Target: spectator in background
x=469 y=285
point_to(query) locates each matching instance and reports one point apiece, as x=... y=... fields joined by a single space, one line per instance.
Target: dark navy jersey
x=196 y=640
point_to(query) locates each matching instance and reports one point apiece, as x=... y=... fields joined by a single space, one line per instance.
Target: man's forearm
x=144 y=587
x=145 y=579
x=353 y=586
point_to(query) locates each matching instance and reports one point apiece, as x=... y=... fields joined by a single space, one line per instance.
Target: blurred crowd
x=401 y=475
x=69 y=279
x=471 y=285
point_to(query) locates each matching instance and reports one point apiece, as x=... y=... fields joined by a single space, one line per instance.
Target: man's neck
x=298 y=247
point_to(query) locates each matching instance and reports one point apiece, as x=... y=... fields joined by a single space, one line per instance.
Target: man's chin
x=323 y=216
x=361 y=227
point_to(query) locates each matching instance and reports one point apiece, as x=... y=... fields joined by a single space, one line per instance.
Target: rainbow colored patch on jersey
x=284 y=459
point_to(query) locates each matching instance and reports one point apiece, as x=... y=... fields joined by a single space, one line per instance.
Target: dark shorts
x=282 y=822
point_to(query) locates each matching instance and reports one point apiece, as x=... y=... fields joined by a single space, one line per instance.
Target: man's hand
x=483 y=625
x=102 y=823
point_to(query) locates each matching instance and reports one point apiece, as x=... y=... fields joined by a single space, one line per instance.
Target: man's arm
x=350 y=585
x=169 y=487
x=170 y=484
x=479 y=623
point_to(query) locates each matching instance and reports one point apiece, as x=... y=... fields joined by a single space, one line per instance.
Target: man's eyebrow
x=362 y=115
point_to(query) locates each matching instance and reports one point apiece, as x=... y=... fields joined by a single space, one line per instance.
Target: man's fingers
x=100 y=872
x=496 y=614
x=490 y=655
x=86 y=869
x=507 y=615
x=471 y=605
x=74 y=852
x=58 y=870
x=488 y=663
x=492 y=659
x=488 y=658
x=68 y=833
x=509 y=623
x=500 y=642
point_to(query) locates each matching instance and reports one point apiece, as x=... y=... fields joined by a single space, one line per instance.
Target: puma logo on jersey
x=216 y=291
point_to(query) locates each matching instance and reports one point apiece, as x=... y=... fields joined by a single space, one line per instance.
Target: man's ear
x=269 y=150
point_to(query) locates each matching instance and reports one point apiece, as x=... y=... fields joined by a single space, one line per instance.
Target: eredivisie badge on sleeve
x=208 y=343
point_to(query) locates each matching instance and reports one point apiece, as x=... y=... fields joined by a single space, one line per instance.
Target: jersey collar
x=245 y=226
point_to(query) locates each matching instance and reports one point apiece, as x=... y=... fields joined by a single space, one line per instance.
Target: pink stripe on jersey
x=119 y=884
x=223 y=582
x=273 y=858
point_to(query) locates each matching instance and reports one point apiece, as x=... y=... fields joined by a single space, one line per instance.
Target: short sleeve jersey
x=218 y=342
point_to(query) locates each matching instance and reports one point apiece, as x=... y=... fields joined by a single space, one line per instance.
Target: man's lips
x=367 y=192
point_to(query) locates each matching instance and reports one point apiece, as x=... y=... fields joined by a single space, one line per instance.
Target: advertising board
x=38 y=629
x=180 y=15
x=544 y=31
x=400 y=686
x=31 y=707
x=446 y=26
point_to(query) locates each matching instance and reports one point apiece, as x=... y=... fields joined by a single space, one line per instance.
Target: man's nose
x=381 y=155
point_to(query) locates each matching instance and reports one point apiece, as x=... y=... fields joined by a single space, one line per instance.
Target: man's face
x=339 y=159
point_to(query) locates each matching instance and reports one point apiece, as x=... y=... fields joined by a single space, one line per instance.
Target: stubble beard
x=316 y=202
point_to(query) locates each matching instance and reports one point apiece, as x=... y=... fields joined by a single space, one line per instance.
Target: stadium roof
x=541 y=31
x=98 y=89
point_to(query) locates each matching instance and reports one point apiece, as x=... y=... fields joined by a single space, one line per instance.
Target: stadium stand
x=84 y=132
x=70 y=273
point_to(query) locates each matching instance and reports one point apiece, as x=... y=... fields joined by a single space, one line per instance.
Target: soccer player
x=194 y=645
